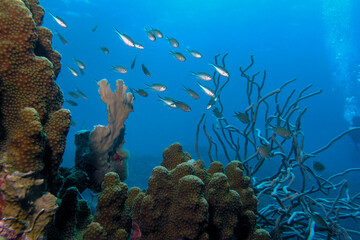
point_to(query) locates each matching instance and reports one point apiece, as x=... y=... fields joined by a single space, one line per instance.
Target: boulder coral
x=184 y=202
x=190 y=202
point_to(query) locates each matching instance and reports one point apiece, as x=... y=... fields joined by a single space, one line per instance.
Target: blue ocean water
x=314 y=41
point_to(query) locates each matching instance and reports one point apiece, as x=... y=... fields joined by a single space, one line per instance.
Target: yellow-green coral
x=95 y=232
x=173 y=156
x=111 y=212
x=190 y=202
x=33 y=125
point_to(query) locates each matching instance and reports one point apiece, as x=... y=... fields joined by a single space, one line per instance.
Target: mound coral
x=185 y=202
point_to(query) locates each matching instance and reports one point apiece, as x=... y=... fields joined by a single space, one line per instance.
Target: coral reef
x=189 y=202
x=100 y=151
x=72 y=217
x=33 y=125
x=111 y=211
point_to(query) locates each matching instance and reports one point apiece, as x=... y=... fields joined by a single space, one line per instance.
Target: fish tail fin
x=117 y=31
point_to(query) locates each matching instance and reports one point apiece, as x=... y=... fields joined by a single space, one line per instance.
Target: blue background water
x=311 y=40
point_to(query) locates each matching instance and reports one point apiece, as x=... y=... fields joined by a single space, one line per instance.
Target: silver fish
x=61 y=37
x=120 y=69
x=158 y=87
x=73 y=71
x=126 y=39
x=211 y=103
x=150 y=34
x=178 y=56
x=105 y=50
x=182 y=106
x=157 y=32
x=140 y=91
x=173 y=42
x=79 y=63
x=202 y=76
x=81 y=93
x=73 y=94
x=58 y=20
x=139 y=45
x=207 y=90
x=194 y=53
x=145 y=70
x=192 y=93
x=222 y=71
x=167 y=101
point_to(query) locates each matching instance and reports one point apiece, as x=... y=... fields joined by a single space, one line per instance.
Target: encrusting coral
x=100 y=151
x=33 y=125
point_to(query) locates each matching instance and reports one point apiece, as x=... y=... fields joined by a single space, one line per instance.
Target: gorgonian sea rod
x=294 y=201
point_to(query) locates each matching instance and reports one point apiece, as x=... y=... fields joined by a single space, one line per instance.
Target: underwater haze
x=314 y=41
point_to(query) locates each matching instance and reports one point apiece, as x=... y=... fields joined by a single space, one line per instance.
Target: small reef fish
x=126 y=39
x=182 y=106
x=173 y=42
x=133 y=62
x=167 y=101
x=194 y=53
x=81 y=93
x=242 y=117
x=319 y=220
x=282 y=132
x=71 y=102
x=191 y=92
x=58 y=20
x=94 y=28
x=211 y=102
x=318 y=166
x=135 y=231
x=79 y=63
x=81 y=71
x=145 y=70
x=157 y=32
x=105 y=50
x=73 y=94
x=139 y=45
x=120 y=69
x=178 y=56
x=158 y=87
x=73 y=71
x=264 y=151
x=222 y=71
x=202 y=76
x=140 y=91
x=61 y=37
x=150 y=34
x=206 y=90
